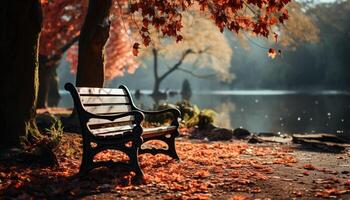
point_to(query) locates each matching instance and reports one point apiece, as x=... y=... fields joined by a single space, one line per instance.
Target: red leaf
x=135 y=49
x=179 y=38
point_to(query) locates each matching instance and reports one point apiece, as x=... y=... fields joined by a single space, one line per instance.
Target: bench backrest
x=104 y=101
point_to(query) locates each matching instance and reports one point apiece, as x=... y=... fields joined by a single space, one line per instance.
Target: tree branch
x=65 y=47
x=69 y=44
x=155 y=65
x=206 y=76
x=250 y=8
x=177 y=65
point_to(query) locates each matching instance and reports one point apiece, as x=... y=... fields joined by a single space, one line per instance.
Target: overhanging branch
x=201 y=76
x=65 y=47
x=177 y=65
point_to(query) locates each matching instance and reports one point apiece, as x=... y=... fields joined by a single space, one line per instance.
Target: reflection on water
x=269 y=111
x=223 y=117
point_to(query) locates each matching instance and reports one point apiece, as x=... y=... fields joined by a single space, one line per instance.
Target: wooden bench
x=110 y=120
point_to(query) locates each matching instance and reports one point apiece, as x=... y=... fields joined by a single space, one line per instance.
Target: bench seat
x=125 y=131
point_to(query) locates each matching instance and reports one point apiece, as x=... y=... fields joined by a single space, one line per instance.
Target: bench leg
x=87 y=160
x=133 y=153
x=86 y=163
x=171 y=147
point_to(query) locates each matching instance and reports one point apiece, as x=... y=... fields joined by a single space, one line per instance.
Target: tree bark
x=43 y=83
x=156 y=91
x=54 y=96
x=93 y=37
x=20 y=29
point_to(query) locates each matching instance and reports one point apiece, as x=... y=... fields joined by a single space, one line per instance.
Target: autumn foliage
x=252 y=15
x=63 y=20
x=61 y=24
x=61 y=29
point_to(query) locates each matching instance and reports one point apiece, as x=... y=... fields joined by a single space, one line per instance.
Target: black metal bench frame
x=130 y=144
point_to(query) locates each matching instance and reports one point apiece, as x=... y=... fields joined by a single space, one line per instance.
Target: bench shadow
x=43 y=182
x=100 y=180
x=51 y=183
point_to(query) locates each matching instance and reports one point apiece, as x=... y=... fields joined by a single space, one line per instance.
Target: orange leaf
x=309 y=167
x=272 y=53
x=239 y=197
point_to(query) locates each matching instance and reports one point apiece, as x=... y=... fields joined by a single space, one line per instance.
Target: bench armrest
x=137 y=114
x=176 y=114
x=174 y=111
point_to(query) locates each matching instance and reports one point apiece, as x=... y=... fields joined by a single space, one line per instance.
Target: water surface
x=269 y=110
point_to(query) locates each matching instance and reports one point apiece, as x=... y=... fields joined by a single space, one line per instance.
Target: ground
x=208 y=170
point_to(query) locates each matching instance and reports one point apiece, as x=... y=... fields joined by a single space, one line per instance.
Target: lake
x=268 y=110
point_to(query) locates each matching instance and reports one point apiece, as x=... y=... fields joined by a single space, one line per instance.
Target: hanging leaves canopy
x=64 y=18
x=61 y=24
x=257 y=16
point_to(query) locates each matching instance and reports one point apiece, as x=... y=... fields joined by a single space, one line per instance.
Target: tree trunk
x=54 y=91
x=20 y=29
x=156 y=91
x=93 y=37
x=48 y=82
x=157 y=80
x=44 y=72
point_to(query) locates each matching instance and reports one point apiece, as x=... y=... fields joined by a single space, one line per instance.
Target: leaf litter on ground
x=206 y=169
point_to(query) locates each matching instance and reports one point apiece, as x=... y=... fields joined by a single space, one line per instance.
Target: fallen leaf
x=309 y=167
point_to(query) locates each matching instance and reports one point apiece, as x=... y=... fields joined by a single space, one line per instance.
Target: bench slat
x=111 y=124
x=114 y=135
x=94 y=121
x=151 y=132
x=100 y=123
x=98 y=100
x=112 y=129
x=85 y=91
x=147 y=132
x=111 y=109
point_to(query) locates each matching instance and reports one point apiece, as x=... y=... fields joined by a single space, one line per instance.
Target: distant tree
x=202 y=46
x=186 y=90
x=334 y=46
x=315 y=45
x=301 y=29
x=20 y=29
x=287 y=36
x=320 y=44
